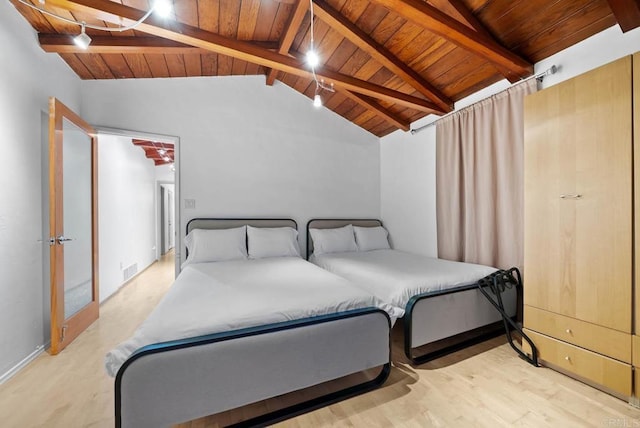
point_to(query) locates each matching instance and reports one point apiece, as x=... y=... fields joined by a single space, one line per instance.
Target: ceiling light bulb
x=82 y=40
x=317 y=101
x=312 y=58
x=163 y=8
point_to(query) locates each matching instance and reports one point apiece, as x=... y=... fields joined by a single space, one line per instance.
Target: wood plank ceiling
x=391 y=61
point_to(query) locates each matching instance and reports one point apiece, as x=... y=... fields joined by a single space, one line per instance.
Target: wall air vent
x=130 y=271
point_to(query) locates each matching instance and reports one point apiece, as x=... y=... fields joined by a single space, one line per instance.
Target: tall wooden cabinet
x=579 y=246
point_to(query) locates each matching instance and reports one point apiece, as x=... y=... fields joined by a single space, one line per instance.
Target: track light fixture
x=82 y=40
x=317 y=101
x=312 y=58
x=162 y=7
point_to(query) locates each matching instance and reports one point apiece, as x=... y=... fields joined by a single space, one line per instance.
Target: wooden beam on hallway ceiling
x=627 y=13
x=63 y=43
x=449 y=28
x=109 y=11
x=379 y=53
x=153 y=144
x=289 y=35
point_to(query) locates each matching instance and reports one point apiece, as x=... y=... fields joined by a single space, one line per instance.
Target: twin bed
x=248 y=319
x=438 y=299
x=272 y=325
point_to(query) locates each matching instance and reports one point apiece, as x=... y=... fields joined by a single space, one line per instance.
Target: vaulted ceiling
x=390 y=62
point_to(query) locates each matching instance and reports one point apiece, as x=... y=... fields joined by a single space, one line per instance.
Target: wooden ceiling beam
x=289 y=35
x=471 y=20
x=381 y=54
x=456 y=32
x=109 y=11
x=371 y=104
x=627 y=13
x=63 y=43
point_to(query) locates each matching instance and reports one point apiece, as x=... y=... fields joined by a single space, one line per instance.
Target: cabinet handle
x=568 y=331
x=576 y=196
x=567 y=358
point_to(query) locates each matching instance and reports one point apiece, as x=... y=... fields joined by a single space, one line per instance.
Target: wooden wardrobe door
x=578 y=197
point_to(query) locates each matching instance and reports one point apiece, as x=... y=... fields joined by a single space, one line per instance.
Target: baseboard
x=26 y=360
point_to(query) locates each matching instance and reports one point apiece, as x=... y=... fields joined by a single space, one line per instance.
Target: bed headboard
x=230 y=223
x=330 y=223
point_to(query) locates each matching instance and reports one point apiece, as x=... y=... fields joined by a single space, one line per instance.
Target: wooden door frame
x=62 y=335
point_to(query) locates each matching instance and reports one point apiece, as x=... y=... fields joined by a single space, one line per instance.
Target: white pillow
x=371 y=238
x=272 y=242
x=336 y=240
x=216 y=245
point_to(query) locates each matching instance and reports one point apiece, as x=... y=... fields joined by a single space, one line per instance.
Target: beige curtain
x=479 y=180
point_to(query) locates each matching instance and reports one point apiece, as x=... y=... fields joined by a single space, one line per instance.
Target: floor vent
x=130 y=271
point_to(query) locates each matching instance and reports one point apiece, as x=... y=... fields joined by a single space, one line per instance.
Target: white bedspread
x=395 y=276
x=210 y=298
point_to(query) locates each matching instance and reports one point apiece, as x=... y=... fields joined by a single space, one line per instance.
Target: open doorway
x=137 y=220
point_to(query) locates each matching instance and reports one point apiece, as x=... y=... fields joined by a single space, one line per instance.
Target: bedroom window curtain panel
x=479 y=180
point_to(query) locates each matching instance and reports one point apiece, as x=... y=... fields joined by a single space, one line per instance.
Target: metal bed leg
x=497 y=282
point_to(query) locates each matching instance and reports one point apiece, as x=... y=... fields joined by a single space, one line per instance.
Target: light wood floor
x=485 y=385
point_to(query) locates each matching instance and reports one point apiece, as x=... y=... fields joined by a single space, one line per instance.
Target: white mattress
x=209 y=298
x=395 y=276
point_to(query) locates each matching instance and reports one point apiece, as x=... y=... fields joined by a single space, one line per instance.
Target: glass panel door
x=78 y=284
x=73 y=225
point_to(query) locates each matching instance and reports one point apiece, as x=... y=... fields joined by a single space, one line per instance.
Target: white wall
x=247 y=149
x=407 y=162
x=127 y=216
x=28 y=76
x=164 y=173
x=408 y=181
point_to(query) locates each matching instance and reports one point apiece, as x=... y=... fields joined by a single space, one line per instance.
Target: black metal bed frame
x=497 y=283
x=277 y=415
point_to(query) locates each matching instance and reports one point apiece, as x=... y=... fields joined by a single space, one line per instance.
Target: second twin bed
x=437 y=298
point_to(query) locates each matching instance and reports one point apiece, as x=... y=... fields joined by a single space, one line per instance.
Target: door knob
x=61 y=239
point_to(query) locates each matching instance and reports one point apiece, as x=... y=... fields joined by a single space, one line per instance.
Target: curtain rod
x=540 y=76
